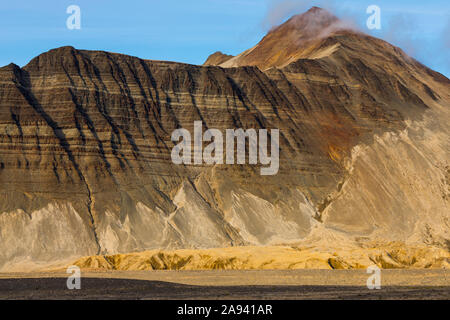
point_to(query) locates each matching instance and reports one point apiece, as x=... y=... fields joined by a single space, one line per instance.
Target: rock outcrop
x=386 y=256
x=85 y=144
x=217 y=58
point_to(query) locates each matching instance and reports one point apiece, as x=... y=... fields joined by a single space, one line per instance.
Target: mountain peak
x=217 y=58
x=287 y=42
x=315 y=9
x=308 y=24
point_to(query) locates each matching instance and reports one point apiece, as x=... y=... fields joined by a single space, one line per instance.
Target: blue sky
x=190 y=30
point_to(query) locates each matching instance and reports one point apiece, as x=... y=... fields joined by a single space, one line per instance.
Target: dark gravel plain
x=104 y=288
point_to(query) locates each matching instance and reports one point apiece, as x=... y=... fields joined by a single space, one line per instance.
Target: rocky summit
x=364 y=147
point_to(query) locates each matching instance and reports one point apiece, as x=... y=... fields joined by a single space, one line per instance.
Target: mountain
x=85 y=150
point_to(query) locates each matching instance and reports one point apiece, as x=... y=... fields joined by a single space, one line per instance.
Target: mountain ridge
x=85 y=165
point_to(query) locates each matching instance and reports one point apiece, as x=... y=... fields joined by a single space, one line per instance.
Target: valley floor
x=228 y=284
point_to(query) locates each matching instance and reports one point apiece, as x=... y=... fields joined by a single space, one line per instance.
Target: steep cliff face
x=85 y=148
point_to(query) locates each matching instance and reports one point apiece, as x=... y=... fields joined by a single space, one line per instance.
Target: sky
x=189 y=30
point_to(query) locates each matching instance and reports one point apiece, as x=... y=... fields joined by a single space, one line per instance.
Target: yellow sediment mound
x=393 y=255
